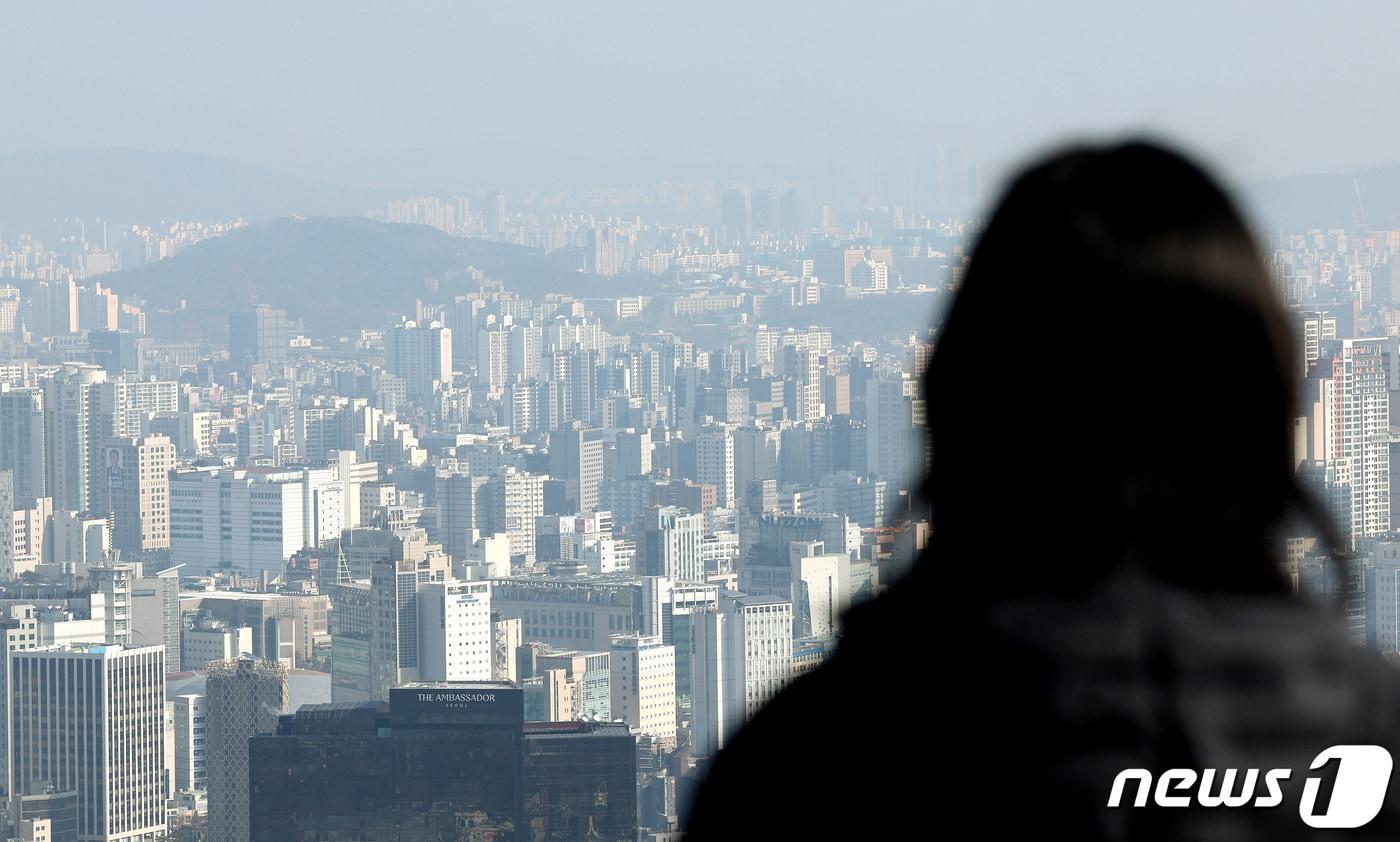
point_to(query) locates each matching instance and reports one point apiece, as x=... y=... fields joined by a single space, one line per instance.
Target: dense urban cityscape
x=456 y=425
x=587 y=537
x=583 y=538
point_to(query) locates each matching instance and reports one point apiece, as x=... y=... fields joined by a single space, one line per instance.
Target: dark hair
x=1114 y=385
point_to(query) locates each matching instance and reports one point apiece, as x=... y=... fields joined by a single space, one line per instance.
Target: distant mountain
x=133 y=186
x=1329 y=200
x=339 y=274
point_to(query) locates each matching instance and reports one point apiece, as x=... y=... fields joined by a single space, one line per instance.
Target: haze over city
x=449 y=96
x=426 y=422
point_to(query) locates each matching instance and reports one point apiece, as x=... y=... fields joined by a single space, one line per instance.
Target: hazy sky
x=377 y=92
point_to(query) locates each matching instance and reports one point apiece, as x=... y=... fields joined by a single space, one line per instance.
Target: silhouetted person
x=1110 y=408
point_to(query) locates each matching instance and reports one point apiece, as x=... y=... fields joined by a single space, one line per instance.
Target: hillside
x=1329 y=200
x=339 y=274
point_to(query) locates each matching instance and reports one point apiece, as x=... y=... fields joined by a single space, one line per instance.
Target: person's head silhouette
x=1114 y=384
x=1113 y=390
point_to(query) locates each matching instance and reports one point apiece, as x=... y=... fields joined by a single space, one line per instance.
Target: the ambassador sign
x=456 y=697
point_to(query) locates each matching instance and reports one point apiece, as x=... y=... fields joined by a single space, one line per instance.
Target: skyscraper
x=515 y=500
x=741 y=656
x=421 y=355
x=91 y=718
x=134 y=487
x=669 y=544
x=242 y=698
x=7 y=516
x=71 y=430
x=576 y=457
x=394 y=584
x=1358 y=429
x=714 y=462
x=257 y=336
x=18 y=633
x=894 y=415
x=22 y=448
x=461 y=511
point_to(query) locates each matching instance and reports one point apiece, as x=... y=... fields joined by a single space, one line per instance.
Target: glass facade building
x=441 y=761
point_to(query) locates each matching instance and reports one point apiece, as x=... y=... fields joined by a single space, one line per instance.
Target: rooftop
x=458 y=685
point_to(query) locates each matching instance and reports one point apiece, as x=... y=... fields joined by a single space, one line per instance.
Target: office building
x=113 y=583
x=19 y=632
x=257 y=337
x=450 y=760
x=588 y=678
x=242 y=698
x=421 y=355
x=64 y=701
x=582 y=612
x=634 y=450
x=191 y=742
x=155 y=612
x=461 y=511
x=134 y=486
x=766 y=563
x=71 y=432
x=820 y=589
x=217 y=642
x=251 y=520
x=351 y=630
x=454 y=631
x=894 y=416
x=871 y=276
x=669 y=544
x=741 y=656
x=7 y=524
x=22 y=440
x=576 y=457
x=643 y=685
x=394 y=637
x=284 y=626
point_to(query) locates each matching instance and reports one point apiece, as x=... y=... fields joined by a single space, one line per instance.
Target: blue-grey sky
x=389 y=92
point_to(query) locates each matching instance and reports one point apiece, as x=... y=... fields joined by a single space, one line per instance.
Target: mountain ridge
x=338 y=274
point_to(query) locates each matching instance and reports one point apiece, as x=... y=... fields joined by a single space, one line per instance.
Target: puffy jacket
x=1014 y=721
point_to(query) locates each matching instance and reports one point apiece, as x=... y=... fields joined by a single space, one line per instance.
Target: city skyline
x=435 y=422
